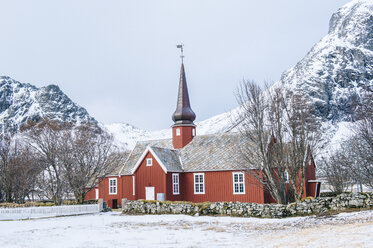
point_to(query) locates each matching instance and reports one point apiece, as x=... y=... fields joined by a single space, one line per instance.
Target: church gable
x=148 y=159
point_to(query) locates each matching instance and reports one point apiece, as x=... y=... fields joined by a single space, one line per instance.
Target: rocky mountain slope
x=338 y=69
x=334 y=75
x=22 y=102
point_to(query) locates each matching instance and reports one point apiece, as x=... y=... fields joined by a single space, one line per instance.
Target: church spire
x=183 y=130
x=183 y=113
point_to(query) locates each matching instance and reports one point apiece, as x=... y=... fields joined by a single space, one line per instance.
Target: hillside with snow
x=21 y=102
x=333 y=75
x=126 y=135
x=339 y=68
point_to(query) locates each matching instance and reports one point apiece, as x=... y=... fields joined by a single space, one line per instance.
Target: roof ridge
x=147 y=141
x=164 y=148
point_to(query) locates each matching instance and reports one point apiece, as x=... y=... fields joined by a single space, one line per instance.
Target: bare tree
x=6 y=156
x=336 y=169
x=18 y=169
x=361 y=144
x=44 y=137
x=87 y=155
x=282 y=133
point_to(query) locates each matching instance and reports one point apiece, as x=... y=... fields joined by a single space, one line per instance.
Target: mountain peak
x=354 y=23
x=339 y=68
x=21 y=102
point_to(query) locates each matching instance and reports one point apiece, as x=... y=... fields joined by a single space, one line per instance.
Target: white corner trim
x=148 y=149
x=133 y=185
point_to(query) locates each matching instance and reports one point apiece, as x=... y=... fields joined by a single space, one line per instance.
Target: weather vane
x=181 y=46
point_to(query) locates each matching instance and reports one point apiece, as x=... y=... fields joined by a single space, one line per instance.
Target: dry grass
x=215 y=229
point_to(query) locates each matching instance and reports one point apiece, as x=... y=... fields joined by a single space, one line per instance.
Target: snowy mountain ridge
x=21 y=102
x=339 y=68
x=126 y=135
x=333 y=75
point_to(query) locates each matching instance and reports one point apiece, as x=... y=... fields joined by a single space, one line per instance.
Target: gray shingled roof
x=214 y=152
x=169 y=157
x=136 y=153
x=211 y=152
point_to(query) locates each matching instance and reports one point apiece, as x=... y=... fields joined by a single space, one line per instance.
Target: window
x=112 y=186
x=199 y=183
x=175 y=184
x=286 y=176
x=149 y=162
x=177 y=131
x=238 y=183
x=193 y=132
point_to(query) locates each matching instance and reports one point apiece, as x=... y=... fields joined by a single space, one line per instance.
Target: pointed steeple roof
x=183 y=113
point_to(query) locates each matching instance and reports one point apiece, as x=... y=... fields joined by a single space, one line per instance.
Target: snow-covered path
x=114 y=230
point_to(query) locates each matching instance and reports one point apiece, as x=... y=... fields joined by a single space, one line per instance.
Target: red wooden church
x=187 y=167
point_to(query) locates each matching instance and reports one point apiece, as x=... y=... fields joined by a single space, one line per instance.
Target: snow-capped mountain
x=20 y=102
x=339 y=68
x=126 y=135
x=333 y=75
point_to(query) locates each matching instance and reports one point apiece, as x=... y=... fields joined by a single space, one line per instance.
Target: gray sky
x=118 y=58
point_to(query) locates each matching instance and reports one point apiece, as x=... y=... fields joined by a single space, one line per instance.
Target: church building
x=188 y=167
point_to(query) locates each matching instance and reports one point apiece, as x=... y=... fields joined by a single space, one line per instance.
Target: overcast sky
x=118 y=58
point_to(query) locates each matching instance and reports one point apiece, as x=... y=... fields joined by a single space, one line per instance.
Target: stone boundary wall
x=305 y=207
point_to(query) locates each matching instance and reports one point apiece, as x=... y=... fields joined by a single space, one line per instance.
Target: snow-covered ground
x=115 y=230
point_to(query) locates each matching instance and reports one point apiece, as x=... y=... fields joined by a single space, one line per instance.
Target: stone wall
x=307 y=206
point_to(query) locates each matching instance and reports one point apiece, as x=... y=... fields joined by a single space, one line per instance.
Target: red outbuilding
x=188 y=167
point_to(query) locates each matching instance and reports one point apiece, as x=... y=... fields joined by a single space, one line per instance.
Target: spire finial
x=181 y=46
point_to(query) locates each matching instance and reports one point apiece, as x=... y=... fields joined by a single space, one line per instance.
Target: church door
x=149 y=193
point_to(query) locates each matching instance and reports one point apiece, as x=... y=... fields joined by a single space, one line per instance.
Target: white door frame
x=149 y=193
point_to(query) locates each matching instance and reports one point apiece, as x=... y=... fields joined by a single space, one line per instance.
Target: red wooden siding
x=149 y=176
x=186 y=136
x=104 y=191
x=170 y=196
x=219 y=187
x=310 y=188
x=91 y=195
x=126 y=182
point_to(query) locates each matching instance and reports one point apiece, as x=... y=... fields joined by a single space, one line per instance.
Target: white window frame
x=199 y=183
x=133 y=185
x=193 y=132
x=178 y=132
x=175 y=184
x=113 y=188
x=149 y=162
x=238 y=183
x=286 y=176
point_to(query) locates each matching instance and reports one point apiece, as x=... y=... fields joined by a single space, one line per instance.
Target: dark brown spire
x=183 y=113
